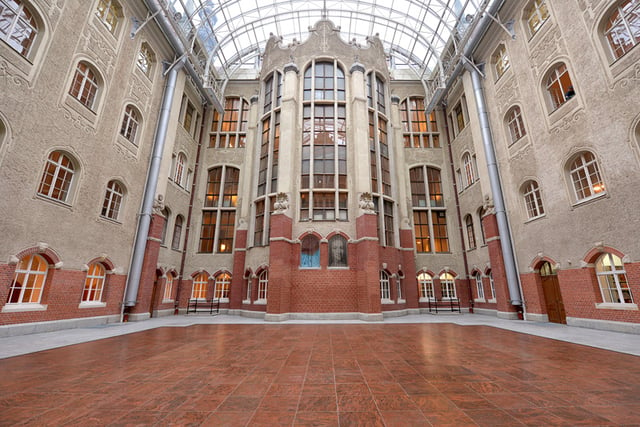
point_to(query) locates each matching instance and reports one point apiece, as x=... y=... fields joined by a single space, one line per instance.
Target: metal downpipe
x=144 y=220
x=496 y=188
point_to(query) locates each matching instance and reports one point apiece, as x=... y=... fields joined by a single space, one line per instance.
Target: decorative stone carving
x=158 y=204
x=77 y=121
x=567 y=122
x=549 y=47
x=487 y=205
x=9 y=75
x=282 y=203
x=631 y=79
x=366 y=203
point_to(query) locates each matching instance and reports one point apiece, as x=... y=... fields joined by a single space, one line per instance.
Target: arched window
x=479 y=286
x=484 y=237
x=222 y=284
x=109 y=13
x=219 y=212
x=166 y=213
x=310 y=252
x=448 y=286
x=469 y=170
x=130 y=123
x=168 y=288
x=492 y=285
x=536 y=15
x=263 y=283
x=515 y=124
x=429 y=213
x=622 y=28
x=471 y=235
x=18 y=26
x=94 y=283
x=501 y=61
x=425 y=286
x=323 y=195
x=532 y=199
x=146 y=59
x=337 y=251
x=418 y=131
x=28 y=280
x=385 y=288
x=585 y=177
x=177 y=233
x=231 y=131
x=179 y=176
x=199 y=290
x=112 y=200
x=613 y=279
x=58 y=178
x=558 y=86
x=85 y=85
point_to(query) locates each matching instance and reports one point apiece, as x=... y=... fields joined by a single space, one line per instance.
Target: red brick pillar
x=410 y=280
x=281 y=263
x=368 y=264
x=237 y=281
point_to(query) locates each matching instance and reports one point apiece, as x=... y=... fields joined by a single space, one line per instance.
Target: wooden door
x=154 y=296
x=552 y=295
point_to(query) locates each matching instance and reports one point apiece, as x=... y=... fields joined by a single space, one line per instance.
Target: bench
x=203 y=306
x=450 y=304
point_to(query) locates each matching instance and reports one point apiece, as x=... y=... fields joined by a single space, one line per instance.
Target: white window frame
x=448 y=286
x=33 y=277
x=479 y=287
x=168 y=288
x=425 y=283
x=113 y=199
x=469 y=172
x=515 y=124
x=179 y=174
x=623 y=19
x=502 y=63
x=58 y=168
x=89 y=85
x=537 y=9
x=583 y=169
x=263 y=285
x=130 y=124
x=31 y=24
x=109 y=8
x=220 y=292
x=94 y=285
x=199 y=288
x=533 y=200
x=605 y=277
x=385 y=288
x=492 y=286
x=145 y=59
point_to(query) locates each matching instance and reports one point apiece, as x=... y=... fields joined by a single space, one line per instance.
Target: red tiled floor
x=322 y=375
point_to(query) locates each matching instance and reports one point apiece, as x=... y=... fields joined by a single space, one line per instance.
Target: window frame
x=604 y=276
x=110 y=8
x=607 y=26
x=39 y=276
x=558 y=86
x=131 y=123
x=199 y=287
x=532 y=198
x=222 y=286
x=471 y=235
x=501 y=62
x=94 y=285
x=584 y=172
x=425 y=287
x=309 y=252
x=113 y=200
x=515 y=124
x=263 y=287
x=219 y=210
x=176 y=239
x=537 y=9
x=27 y=18
x=428 y=208
x=86 y=85
x=479 y=287
x=385 y=287
x=65 y=185
x=167 y=295
x=448 y=286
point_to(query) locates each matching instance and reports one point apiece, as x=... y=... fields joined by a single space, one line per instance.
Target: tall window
x=532 y=199
x=84 y=86
x=337 y=251
x=58 y=177
x=492 y=285
x=166 y=213
x=130 y=123
x=219 y=213
x=484 y=238
x=420 y=131
x=622 y=29
x=18 y=27
x=537 y=15
x=515 y=124
x=585 y=177
x=559 y=87
x=448 y=286
x=94 y=283
x=179 y=174
x=222 y=284
x=479 y=286
x=231 y=131
x=471 y=235
x=108 y=11
x=458 y=116
x=385 y=288
x=145 y=59
x=429 y=213
x=501 y=61
x=263 y=284
x=323 y=195
x=425 y=286
x=310 y=252
x=112 y=200
x=177 y=233
x=168 y=288
x=28 y=280
x=189 y=117
x=469 y=170
x=262 y=225
x=199 y=289
x=613 y=279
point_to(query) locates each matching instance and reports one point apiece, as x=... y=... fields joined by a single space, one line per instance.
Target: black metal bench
x=449 y=304
x=202 y=306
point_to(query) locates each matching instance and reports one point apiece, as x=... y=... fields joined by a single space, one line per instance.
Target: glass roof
x=224 y=37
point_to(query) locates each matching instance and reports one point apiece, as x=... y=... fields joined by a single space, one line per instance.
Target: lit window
x=108 y=11
x=94 y=283
x=18 y=27
x=425 y=286
x=179 y=174
x=471 y=236
x=585 y=177
x=84 y=87
x=537 y=16
x=223 y=281
x=559 y=87
x=459 y=118
x=28 y=280
x=112 y=200
x=310 y=252
x=337 y=251
x=515 y=124
x=429 y=213
x=622 y=30
x=447 y=285
x=130 y=122
x=219 y=212
x=385 y=289
x=145 y=59
x=501 y=61
x=168 y=288
x=57 y=179
x=532 y=199
x=613 y=279
x=199 y=290
x=418 y=131
x=231 y=131
x=479 y=286
x=177 y=233
x=263 y=283
x=469 y=170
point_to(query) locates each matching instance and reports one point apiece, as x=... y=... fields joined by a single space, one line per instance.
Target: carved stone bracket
x=282 y=203
x=366 y=203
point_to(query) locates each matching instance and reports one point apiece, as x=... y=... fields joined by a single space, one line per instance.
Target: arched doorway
x=552 y=295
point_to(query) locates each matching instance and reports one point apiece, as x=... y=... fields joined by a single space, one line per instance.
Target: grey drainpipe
x=496 y=188
x=144 y=220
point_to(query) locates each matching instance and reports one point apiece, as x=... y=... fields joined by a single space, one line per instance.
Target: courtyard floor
x=226 y=371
